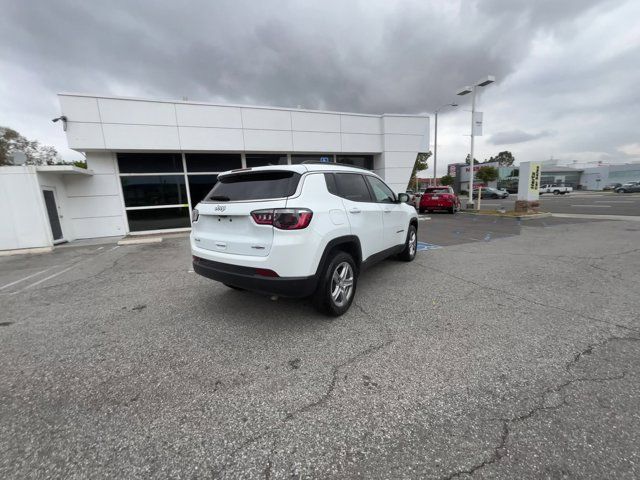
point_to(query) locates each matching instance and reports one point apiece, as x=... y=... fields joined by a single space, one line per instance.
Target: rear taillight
x=284 y=218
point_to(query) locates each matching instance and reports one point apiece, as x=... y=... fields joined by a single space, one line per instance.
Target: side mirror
x=403 y=198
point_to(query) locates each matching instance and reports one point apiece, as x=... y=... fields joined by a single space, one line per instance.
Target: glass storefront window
x=362 y=161
x=158 y=219
x=322 y=158
x=149 y=162
x=199 y=186
x=148 y=190
x=212 y=162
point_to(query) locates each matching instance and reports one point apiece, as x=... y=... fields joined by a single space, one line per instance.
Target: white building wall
x=117 y=124
x=23 y=222
x=94 y=203
x=102 y=126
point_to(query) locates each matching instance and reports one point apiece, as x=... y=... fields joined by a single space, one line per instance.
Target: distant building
x=580 y=176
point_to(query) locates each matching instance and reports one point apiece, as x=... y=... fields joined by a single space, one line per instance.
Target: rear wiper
x=220 y=198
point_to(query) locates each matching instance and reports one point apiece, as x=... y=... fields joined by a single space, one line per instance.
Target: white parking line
x=25 y=278
x=614 y=201
x=592 y=206
x=31 y=285
x=49 y=277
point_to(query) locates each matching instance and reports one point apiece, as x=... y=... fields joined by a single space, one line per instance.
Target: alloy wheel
x=342 y=284
x=413 y=243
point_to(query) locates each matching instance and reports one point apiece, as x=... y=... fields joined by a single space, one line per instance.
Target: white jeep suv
x=300 y=231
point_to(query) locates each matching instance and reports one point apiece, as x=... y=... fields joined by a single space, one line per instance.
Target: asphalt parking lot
x=513 y=355
x=579 y=202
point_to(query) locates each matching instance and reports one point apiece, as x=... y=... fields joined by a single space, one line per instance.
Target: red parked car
x=439 y=198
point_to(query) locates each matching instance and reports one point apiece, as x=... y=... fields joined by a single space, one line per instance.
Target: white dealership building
x=149 y=162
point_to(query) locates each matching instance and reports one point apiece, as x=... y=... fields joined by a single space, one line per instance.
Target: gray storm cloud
x=364 y=56
x=516 y=136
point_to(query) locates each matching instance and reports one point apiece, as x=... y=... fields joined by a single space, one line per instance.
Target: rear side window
x=352 y=186
x=254 y=186
x=331 y=183
x=381 y=192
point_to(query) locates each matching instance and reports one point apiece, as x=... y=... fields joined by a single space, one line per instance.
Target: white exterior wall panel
x=216 y=139
x=95 y=185
x=316 y=142
x=140 y=137
x=402 y=143
x=361 y=124
x=266 y=119
x=81 y=109
x=85 y=136
x=267 y=140
x=315 y=122
x=361 y=143
x=136 y=112
x=208 y=116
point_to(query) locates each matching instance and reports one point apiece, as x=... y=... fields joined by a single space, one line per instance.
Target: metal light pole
x=472 y=90
x=435 y=141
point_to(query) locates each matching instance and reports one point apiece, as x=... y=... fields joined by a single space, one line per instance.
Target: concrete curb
x=26 y=251
x=519 y=217
x=139 y=241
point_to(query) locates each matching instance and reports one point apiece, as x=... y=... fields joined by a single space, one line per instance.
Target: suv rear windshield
x=254 y=186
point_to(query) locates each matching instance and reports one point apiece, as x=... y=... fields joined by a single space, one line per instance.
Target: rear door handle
x=387 y=211
x=354 y=210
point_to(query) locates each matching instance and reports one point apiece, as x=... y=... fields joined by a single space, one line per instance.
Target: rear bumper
x=246 y=278
x=443 y=204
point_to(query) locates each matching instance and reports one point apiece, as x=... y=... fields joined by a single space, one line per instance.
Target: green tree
x=419 y=165
x=505 y=159
x=11 y=141
x=447 y=180
x=487 y=174
x=467 y=160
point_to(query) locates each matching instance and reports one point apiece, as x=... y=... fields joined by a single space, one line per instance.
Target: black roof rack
x=316 y=162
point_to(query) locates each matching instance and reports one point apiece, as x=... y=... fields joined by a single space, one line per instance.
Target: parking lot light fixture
x=472 y=90
x=435 y=140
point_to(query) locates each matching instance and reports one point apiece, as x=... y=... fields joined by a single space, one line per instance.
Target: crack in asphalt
x=320 y=402
x=499 y=451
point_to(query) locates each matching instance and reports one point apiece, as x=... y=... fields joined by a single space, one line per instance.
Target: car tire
x=556 y=192
x=452 y=210
x=339 y=268
x=421 y=210
x=622 y=190
x=234 y=287
x=410 y=245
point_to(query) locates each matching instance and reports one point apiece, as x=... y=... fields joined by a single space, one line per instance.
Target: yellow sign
x=534 y=177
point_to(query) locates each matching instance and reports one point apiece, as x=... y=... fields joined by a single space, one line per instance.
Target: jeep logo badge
x=220 y=208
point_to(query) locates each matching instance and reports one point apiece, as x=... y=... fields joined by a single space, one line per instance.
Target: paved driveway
x=515 y=357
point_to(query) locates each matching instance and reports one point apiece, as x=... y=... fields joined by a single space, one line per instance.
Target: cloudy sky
x=568 y=71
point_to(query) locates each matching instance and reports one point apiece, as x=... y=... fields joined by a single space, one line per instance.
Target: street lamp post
x=472 y=90
x=435 y=140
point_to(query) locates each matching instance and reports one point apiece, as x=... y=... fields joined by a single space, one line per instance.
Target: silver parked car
x=629 y=187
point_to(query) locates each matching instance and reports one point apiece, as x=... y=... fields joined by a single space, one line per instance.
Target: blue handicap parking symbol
x=427 y=246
